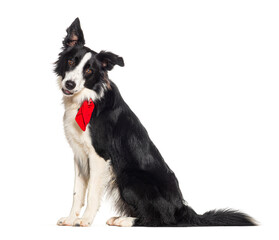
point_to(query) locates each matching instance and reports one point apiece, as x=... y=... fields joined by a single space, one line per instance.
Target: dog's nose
x=69 y=84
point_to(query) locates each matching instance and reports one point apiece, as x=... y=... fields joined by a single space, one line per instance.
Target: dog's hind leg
x=80 y=186
x=156 y=201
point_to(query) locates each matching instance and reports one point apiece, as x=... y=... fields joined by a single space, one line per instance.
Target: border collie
x=113 y=152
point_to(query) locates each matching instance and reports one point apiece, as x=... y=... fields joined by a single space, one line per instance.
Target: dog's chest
x=79 y=140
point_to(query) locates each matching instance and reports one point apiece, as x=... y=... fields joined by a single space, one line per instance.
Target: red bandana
x=84 y=114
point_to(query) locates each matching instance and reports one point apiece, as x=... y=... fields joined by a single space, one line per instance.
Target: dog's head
x=81 y=69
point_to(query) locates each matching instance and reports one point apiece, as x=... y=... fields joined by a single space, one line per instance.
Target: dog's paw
x=82 y=222
x=111 y=221
x=121 y=221
x=66 y=221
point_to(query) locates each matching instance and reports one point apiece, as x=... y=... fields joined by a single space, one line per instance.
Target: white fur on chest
x=80 y=141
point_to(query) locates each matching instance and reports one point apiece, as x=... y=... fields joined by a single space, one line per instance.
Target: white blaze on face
x=76 y=75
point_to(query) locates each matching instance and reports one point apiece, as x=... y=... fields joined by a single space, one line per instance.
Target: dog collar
x=84 y=114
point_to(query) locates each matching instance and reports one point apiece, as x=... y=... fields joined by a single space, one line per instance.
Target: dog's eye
x=71 y=62
x=88 y=71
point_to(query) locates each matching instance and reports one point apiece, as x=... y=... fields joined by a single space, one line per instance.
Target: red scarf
x=84 y=114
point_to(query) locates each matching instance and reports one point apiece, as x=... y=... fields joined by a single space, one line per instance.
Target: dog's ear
x=108 y=60
x=74 y=35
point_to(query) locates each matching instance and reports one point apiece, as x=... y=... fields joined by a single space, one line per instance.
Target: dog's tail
x=225 y=217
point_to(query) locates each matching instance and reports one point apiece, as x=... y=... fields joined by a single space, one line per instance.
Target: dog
x=113 y=152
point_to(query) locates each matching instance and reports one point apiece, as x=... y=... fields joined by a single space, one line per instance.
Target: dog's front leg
x=97 y=182
x=80 y=186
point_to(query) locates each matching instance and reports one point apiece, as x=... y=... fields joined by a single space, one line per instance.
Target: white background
x=202 y=76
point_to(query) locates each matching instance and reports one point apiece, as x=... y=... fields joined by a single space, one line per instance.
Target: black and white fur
x=115 y=153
